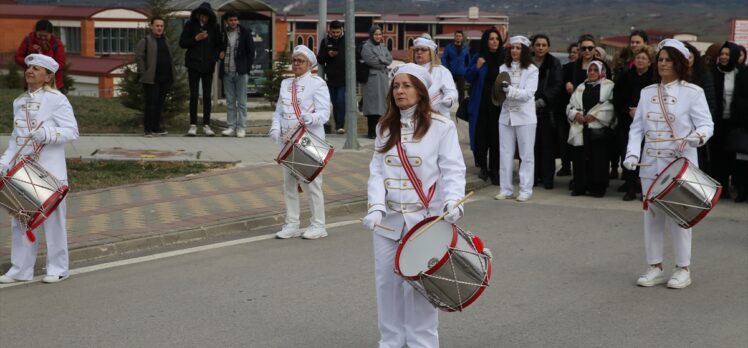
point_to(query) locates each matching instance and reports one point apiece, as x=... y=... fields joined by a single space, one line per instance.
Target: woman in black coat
x=625 y=99
x=550 y=87
x=701 y=75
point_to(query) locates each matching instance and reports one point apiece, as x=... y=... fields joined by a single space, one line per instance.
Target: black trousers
x=460 y=84
x=545 y=148
x=194 y=80
x=154 y=95
x=723 y=161
x=590 y=165
x=371 y=121
x=487 y=139
x=563 y=138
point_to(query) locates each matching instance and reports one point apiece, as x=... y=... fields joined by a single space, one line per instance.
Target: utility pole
x=321 y=32
x=351 y=131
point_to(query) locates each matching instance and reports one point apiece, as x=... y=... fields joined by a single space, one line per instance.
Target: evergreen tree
x=14 y=78
x=275 y=76
x=67 y=80
x=178 y=94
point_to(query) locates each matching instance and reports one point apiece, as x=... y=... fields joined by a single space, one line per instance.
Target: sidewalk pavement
x=119 y=220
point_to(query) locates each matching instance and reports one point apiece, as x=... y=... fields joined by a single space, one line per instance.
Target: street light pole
x=351 y=127
x=321 y=32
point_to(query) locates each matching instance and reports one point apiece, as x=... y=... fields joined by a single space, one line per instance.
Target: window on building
x=306 y=25
x=310 y=42
x=299 y=41
x=410 y=42
x=390 y=44
x=70 y=37
x=390 y=27
x=117 y=40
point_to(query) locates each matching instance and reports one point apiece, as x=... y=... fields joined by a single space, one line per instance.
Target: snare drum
x=305 y=154
x=684 y=192
x=30 y=193
x=446 y=264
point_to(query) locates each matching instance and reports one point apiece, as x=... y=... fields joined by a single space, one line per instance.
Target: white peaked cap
x=416 y=71
x=43 y=61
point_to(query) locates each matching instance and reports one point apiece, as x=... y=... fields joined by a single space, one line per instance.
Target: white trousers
x=291 y=196
x=406 y=318
x=509 y=137
x=656 y=222
x=23 y=252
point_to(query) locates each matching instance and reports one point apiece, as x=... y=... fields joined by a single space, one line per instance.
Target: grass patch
x=91 y=175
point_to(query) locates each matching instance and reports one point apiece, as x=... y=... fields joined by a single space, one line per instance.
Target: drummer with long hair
x=684 y=124
x=44 y=115
x=304 y=100
x=403 y=193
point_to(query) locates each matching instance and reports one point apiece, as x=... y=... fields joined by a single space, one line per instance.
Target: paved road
x=564 y=277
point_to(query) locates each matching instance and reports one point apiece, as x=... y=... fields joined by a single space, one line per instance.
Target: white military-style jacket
x=314 y=97
x=52 y=108
x=436 y=159
x=688 y=113
x=443 y=91
x=518 y=108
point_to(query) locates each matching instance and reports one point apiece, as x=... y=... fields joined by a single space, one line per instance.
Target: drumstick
x=460 y=202
x=18 y=153
x=380 y=226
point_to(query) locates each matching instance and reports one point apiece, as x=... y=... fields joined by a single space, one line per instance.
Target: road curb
x=244 y=227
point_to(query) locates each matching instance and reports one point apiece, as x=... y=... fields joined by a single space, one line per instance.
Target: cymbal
x=497 y=94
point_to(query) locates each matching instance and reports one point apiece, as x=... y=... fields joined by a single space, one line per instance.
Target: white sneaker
x=502 y=196
x=680 y=279
x=341 y=131
x=193 y=131
x=314 y=233
x=523 y=197
x=208 y=131
x=241 y=133
x=54 y=279
x=288 y=231
x=229 y=132
x=653 y=276
x=7 y=280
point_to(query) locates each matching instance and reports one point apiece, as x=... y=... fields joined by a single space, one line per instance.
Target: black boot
x=494 y=176
x=483 y=174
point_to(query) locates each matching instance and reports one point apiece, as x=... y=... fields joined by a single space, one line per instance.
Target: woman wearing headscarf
x=483 y=115
x=376 y=55
x=725 y=74
x=547 y=96
x=690 y=119
x=443 y=91
x=625 y=99
x=591 y=114
x=43 y=116
x=403 y=193
x=518 y=120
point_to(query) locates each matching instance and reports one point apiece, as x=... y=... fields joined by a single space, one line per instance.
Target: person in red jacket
x=43 y=41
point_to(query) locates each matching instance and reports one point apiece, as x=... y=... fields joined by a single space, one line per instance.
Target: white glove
x=275 y=135
x=3 y=169
x=505 y=86
x=631 y=162
x=453 y=212
x=487 y=252
x=373 y=219
x=447 y=102
x=39 y=136
x=695 y=139
x=308 y=119
x=539 y=103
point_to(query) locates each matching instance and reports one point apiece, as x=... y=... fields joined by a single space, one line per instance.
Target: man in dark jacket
x=234 y=71
x=202 y=39
x=156 y=72
x=456 y=58
x=332 y=58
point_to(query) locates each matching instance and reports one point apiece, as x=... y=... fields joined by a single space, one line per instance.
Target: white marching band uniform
x=443 y=91
x=314 y=99
x=517 y=123
x=689 y=116
x=29 y=110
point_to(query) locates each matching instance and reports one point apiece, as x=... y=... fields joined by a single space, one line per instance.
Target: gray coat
x=375 y=89
x=146 y=59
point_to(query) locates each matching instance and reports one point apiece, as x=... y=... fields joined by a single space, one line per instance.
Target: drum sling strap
x=414 y=180
x=297 y=112
x=35 y=153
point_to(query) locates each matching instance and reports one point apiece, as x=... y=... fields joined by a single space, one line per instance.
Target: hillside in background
x=562 y=20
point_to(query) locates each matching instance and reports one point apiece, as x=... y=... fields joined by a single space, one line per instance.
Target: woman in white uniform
x=517 y=121
x=313 y=99
x=42 y=104
x=398 y=202
x=443 y=91
x=689 y=117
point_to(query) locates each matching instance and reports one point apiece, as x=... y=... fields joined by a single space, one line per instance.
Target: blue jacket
x=457 y=63
x=475 y=77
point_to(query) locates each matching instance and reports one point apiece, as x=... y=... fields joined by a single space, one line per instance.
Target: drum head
x=497 y=94
x=427 y=251
x=664 y=180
